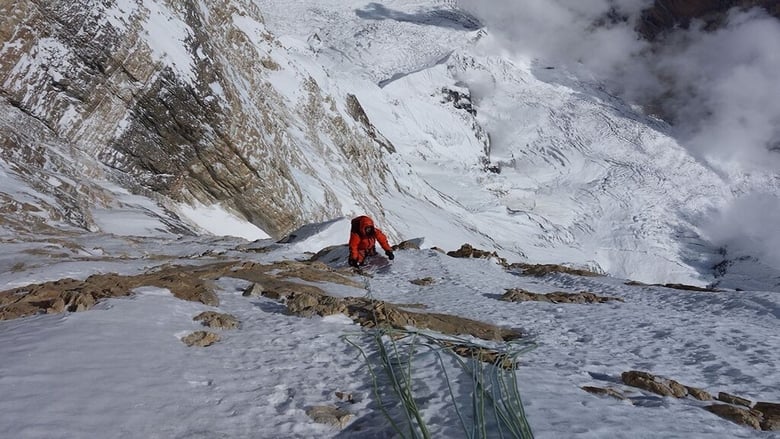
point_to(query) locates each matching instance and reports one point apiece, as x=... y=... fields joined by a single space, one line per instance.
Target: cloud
x=748 y=227
x=719 y=89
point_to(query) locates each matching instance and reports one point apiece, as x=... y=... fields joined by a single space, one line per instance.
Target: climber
x=362 y=241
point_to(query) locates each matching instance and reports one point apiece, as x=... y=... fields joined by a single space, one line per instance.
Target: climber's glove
x=389 y=255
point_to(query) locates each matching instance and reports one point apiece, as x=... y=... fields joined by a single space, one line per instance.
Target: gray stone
x=200 y=339
x=733 y=399
x=738 y=415
x=333 y=416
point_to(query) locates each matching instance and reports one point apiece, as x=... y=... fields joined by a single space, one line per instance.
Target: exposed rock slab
x=191 y=283
x=734 y=399
x=409 y=244
x=467 y=251
x=375 y=313
x=520 y=295
x=307 y=301
x=539 y=270
x=200 y=339
x=683 y=287
x=763 y=415
x=422 y=281
x=279 y=273
x=700 y=394
x=738 y=415
x=490 y=356
x=771 y=412
x=217 y=320
x=608 y=391
x=330 y=415
x=655 y=384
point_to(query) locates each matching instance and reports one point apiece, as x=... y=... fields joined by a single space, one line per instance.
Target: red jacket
x=362 y=242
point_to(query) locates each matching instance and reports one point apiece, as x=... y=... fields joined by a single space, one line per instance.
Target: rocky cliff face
x=224 y=114
x=667 y=14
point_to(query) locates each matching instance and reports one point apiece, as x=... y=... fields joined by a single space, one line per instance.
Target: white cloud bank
x=720 y=89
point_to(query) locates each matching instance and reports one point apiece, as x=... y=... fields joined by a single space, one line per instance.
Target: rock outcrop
x=198 y=121
x=665 y=15
x=539 y=270
x=760 y=416
x=738 y=415
x=330 y=415
x=425 y=281
x=520 y=295
x=200 y=339
x=467 y=251
x=770 y=412
x=217 y=320
x=185 y=282
x=605 y=391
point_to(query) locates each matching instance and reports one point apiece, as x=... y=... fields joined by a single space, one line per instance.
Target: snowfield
x=508 y=154
x=120 y=370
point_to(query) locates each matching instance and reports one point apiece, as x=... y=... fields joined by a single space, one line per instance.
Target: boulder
x=738 y=415
x=423 y=281
x=217 y=320
x=330 y=415
x=467 y=251
x=771 y=412
x=733 y=399
x=253 y=290
x=411 y=244
x=700 y=394
x=614 y=393
x=652 y=383
x=200 y=339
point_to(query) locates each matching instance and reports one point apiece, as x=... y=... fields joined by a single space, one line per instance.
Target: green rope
x=494 y=388
x=495 y=394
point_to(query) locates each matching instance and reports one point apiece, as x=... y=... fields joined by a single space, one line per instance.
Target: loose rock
x=217 y=320
x=733 y=399
x=422 y=282
x=201 y=339
x=652 y=383
x=614 y=393
x=520 y=295
x=738 y=415
x=771 y=412
x=333 y=416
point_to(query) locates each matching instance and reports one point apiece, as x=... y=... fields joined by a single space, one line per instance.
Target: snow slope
x=120 y=371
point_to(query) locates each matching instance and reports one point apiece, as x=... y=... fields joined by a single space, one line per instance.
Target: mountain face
x=183 y=99
x=664 y=15
x=154 y=110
